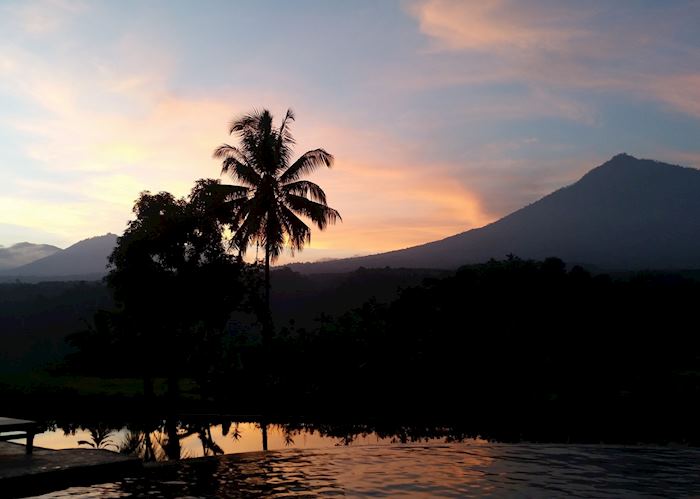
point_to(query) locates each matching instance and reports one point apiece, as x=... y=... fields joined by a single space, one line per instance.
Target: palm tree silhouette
x=268 y=205
x=100 y=438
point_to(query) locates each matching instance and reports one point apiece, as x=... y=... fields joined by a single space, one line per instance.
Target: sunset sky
x=442 y=115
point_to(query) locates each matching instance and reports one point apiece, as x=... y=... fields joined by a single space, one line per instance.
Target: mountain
x=23 y=253
x=627 y=214
x=86 y=260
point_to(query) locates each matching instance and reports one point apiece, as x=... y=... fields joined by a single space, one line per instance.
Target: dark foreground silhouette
x=509 y=349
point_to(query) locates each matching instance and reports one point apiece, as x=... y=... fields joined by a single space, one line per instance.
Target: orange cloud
x=385 y=206
x=161 y=141
x=388 y=198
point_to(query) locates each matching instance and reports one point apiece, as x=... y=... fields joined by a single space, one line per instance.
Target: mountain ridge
x=23 y=253
x=625 y=214
x=86 y=259
x=617 y=217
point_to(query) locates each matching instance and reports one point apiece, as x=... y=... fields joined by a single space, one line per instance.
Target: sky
x=442 y=115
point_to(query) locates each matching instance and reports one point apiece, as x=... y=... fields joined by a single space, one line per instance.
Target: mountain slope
x=626 y=214
x=84 y=259
x=23 y=253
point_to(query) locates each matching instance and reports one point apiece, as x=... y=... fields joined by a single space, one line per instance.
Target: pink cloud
x=554 y=46
x=159 y=140
x=495 y=24
x=680 y=91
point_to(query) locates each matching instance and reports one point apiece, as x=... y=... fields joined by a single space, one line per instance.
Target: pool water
x=467 y=469
x=240 y=437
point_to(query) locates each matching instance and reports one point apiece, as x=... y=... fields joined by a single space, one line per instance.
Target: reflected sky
x=249 y=439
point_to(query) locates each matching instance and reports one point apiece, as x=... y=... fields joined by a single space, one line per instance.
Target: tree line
x=511 y=347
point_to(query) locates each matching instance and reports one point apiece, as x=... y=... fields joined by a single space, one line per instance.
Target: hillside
x=86 y=259
x=23 y=253
x=626 y=214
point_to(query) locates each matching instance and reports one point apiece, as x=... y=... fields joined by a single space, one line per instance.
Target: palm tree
x=272 y=199
x=100 y=438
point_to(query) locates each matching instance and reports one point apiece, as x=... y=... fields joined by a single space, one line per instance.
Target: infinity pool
x=468 y=469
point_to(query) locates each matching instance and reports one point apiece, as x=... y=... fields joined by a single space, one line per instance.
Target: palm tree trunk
x=172 y=447
x=266 y=344
x=149 y=454
x=263 y=428
x=267 y=326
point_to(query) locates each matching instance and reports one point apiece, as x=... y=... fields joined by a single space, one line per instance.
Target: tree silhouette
x=100 y=438
x=175 y=283
x=268 y=205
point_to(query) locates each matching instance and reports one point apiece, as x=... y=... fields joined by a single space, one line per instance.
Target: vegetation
x=574 y=356
x=175 y=286
x=267 y=207
x=35 y=319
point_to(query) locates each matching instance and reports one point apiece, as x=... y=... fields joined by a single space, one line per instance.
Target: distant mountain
x=626 y=214
x=86 y=259
x=23 y=253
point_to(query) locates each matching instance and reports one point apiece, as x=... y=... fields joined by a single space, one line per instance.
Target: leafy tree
x=174 y=280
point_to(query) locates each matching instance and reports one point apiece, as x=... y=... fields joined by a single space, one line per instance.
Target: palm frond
x=284 y=132
x=273 y=232
x=234 y=191
x=243 y=172
x=320 y=214
x=306 y=189
x=285 y=141
x=298 y=233
x=244 y=122
x=267 y=207
x=248 y=221
x=228 y=151
x=213 y=192
x=307 y=163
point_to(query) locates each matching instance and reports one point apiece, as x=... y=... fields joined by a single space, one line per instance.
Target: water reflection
x=418 y=470
x=171 y=439
x=100 y=437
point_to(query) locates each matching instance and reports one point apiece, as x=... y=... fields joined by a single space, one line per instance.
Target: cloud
x=43 y=16
x=563 y=46
x=92 y=142
x=443 y=138
x=496 y=25
x=92 y=162
x=681 y=91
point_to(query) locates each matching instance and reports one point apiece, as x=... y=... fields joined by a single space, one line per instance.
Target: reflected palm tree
x=263 y=429
x=163 y=441
x=288 y=436
x=142 y=441
x=138 y=444
x=209 y=447
x=232 y=428
x=100 y=438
